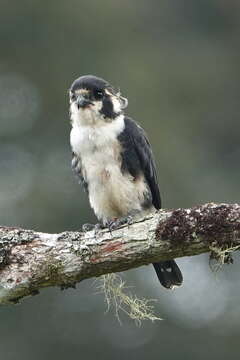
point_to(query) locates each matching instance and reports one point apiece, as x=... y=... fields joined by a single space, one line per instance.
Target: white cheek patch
x=97 y=106
x=116 y=104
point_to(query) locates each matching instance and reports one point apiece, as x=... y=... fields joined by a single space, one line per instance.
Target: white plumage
x=111 y=192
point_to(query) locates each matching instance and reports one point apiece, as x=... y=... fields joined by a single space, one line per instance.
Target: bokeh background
x=177 y=62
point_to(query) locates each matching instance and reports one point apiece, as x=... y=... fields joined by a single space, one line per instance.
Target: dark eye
x=98 y=94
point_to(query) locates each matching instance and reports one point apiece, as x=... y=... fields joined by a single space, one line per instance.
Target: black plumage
x=90 y=82
x=137 y=159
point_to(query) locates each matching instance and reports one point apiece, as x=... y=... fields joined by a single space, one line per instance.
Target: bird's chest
x=112 y=193
x=100 y=154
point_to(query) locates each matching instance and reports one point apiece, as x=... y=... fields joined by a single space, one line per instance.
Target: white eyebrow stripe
x=82 y=91
x=108 y=92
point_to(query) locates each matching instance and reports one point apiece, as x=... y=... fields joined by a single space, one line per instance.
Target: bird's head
x=93 y=101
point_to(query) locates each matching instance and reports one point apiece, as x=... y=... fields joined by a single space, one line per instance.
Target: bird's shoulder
x=137 y=156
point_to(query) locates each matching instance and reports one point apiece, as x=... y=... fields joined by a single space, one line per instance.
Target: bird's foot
x=87 y=227
x=90 y=227
x=116 y=223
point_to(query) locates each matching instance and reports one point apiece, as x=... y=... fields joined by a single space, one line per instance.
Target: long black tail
x=168 y=273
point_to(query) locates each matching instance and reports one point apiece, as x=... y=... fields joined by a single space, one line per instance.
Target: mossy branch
x=32 y=260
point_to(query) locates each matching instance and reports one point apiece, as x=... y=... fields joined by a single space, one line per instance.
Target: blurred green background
x=177 y=62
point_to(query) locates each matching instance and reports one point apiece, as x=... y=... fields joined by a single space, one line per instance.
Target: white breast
x=111 y=193
x=98 y=148
x=85 y=139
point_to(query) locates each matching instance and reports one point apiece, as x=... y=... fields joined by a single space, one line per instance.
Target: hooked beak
x=82 y=102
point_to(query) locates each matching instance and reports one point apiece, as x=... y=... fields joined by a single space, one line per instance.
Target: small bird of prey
x=113 y=160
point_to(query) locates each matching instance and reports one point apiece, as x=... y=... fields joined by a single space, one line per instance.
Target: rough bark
x=32 y=260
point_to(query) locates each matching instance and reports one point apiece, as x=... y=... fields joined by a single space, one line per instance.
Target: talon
x=129 y=220
x=90 y=227
x=116 y=223
x=97 y=228
x=87 y=227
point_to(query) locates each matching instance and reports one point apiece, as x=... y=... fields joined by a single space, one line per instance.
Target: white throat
x=90 y=116
x=85 y=139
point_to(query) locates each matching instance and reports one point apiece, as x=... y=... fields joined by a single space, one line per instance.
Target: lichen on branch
x=32 y=260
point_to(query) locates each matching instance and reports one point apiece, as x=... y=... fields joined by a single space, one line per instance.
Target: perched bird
x=113 y=159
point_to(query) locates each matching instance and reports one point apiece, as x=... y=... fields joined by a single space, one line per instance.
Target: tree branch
x=32 y=260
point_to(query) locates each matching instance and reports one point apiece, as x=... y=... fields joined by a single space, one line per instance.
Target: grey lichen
x=30 y=261
x=10 y=237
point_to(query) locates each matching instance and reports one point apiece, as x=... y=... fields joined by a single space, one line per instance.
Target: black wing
x=77 y=169
x=137 y=157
